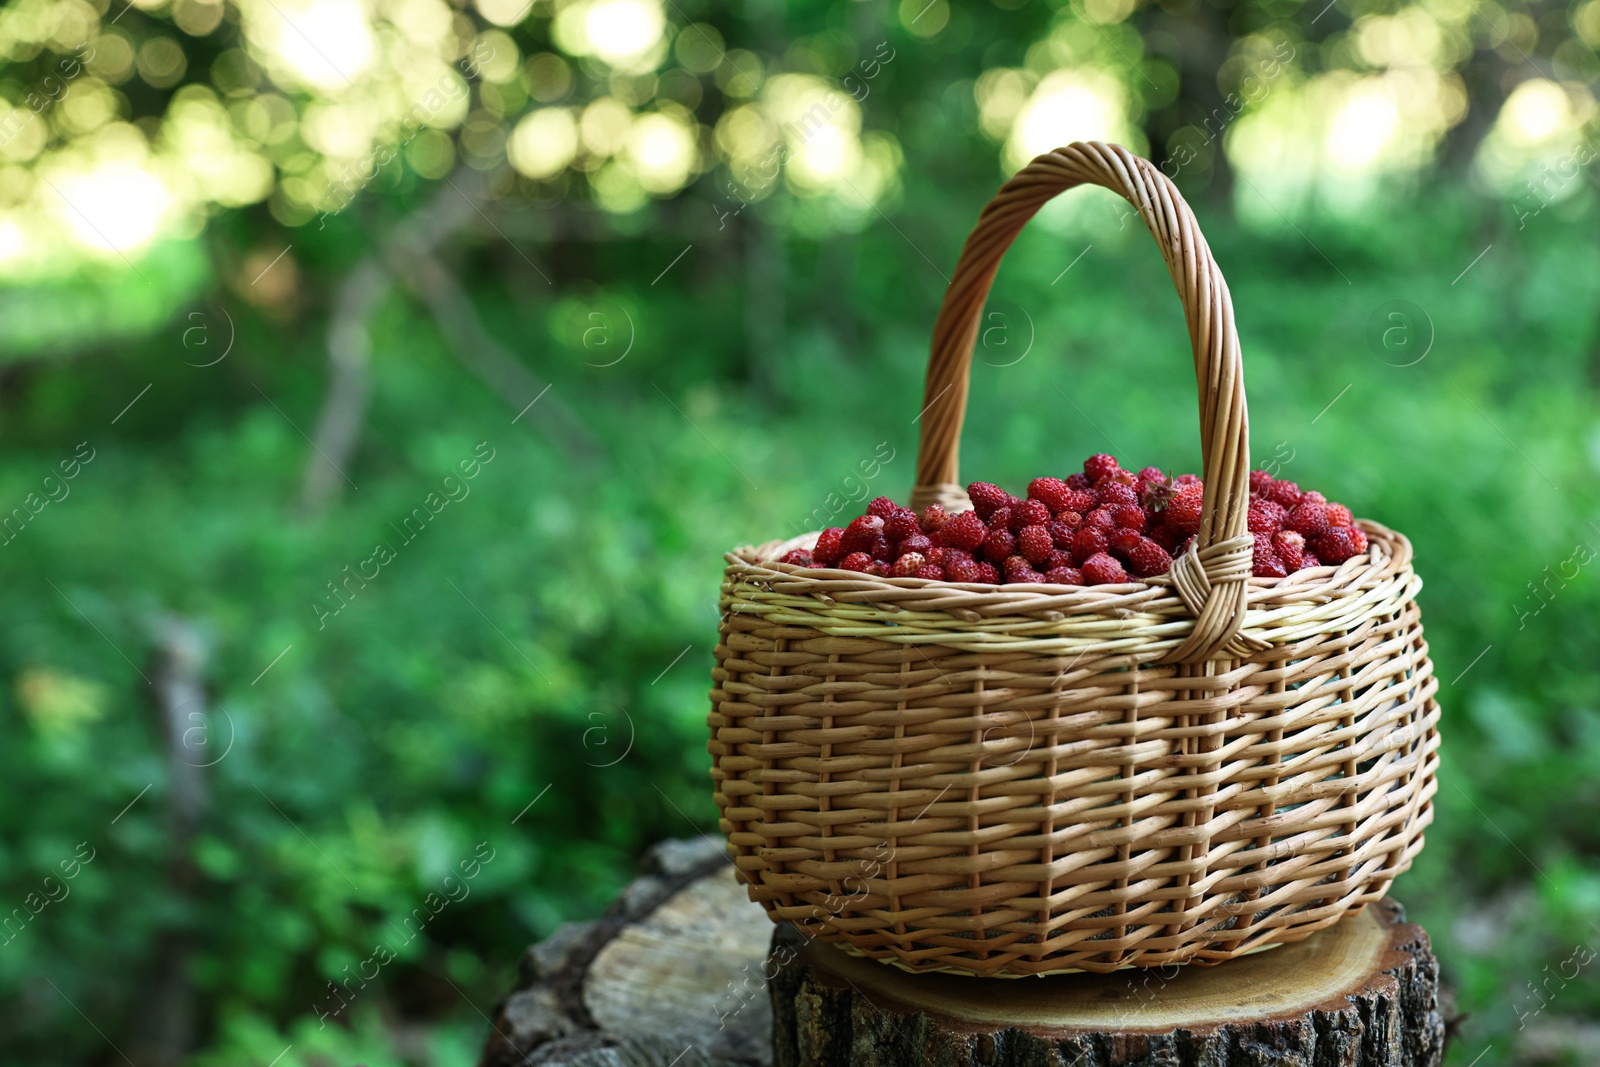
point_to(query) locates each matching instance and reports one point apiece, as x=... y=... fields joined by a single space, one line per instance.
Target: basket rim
x=1144 y=619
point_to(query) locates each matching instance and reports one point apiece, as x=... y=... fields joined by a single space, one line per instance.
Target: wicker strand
x=1195 y=574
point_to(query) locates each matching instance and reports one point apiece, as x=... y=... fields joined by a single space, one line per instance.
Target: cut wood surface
x=1363 y=993
x=671 y=974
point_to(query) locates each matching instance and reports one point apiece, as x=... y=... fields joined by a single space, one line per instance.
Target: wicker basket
x=1028 y=779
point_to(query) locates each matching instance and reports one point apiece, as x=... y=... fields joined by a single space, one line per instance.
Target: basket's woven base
x=1001 y=782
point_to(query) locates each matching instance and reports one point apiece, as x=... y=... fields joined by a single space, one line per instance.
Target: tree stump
x=671 y=974
x=678 y=972
x=1363 y=993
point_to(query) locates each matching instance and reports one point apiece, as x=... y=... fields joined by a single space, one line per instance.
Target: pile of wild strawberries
x=1100 y=527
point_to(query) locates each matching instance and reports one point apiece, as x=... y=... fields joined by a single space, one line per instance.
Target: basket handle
x=1211 y=577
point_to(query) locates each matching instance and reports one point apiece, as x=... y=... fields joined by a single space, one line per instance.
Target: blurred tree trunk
x=766 y=276
x=1485 y=75
x=837 y=262
x=168 y=1001
x=344 y=409
x=1193 y=36
x=765 y=244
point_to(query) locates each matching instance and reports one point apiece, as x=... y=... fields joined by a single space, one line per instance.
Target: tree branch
x=463 y=330
x=345 y=407
x=408 y=253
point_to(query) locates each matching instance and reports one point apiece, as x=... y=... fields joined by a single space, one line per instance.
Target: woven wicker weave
x=1026 y=779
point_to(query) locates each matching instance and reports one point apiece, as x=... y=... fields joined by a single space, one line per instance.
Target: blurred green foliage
x=545 y=640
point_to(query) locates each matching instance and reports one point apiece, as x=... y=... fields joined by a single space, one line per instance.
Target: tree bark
x=1361 y=994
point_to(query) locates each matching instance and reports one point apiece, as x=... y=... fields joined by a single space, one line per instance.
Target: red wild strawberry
x=988 y=574
x=933 y=516
x=1186 y=479
x=878 y=569
x=1339 y=543
x=986 y=497
x=1028 y=513
x=1260 y=482
x=1124 y=540
x=799 y=557
x=830 y=546
x=1099 y=465
x=1051 y=492
x=1149 y=559
x=1308 y=519
x=1114 y=494
x=1309 y=560
x=1152 y=476
x=1259 y=522
x=930 y=571
x=1164 y=535
x=1016 y=565
x=1263 y=516
x=1034 y=542
x=1082 y=501
x=1129 y=516
x=1028 y=576
x=1101 y=517
x=999 y=544
x=1311 y=496
x=856 y=561
x=1290 y=545
x=965 y=531
x=861 y=532
x=1339 y=515
x=946 y=557
x=1264 y=561
x=901 y=525
x=1064 y=576
x=1266 y=564
x=1285 y=492
x=917 y=542
x=1080 y=482
x=1000 y=518
x=879 y=548
x=1057 y=558
x=1061 y=529
x=1183 y=510
x=908 y=565
x=1183 y=547
x=1089 y=541
x=1101 y=569
x=882 y=507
